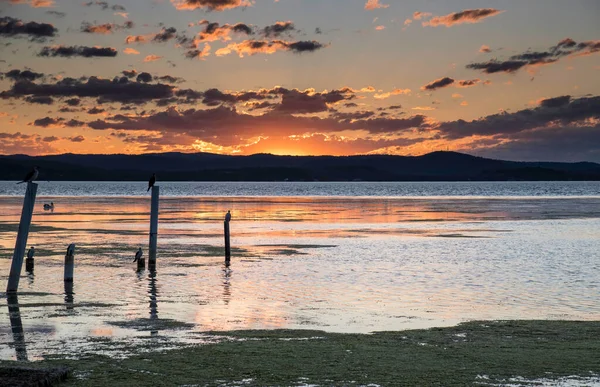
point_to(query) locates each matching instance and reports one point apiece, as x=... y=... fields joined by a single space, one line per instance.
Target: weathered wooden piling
x=69 y=262
x=69 y=294
x=29 y=260
x=16 y=326
x=141 y=264
x=153 y=226
x=227 y=244
x=23 y=233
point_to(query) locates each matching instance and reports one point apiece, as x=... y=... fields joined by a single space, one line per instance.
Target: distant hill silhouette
x=436 y=166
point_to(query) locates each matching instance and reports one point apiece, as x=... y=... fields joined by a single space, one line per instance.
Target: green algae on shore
x=480 y=352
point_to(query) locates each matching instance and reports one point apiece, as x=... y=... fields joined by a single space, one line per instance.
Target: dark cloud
x=79 y=138
x=95 y=110
x=129 y=73
x=38 y=31
x=116 y=90
x=169 y=78
x=466 y=16
x=277 y=29
x=438 y=83
x=42 y=100
x=557 y=111
x=56 y=13
x=18 y=75
x=144 y=77
x=47 y=121
x=73 y=101
x=213 y=31
x=211 y=5
x=566 y=47
x=468 y=82
x=555 y=102
x=165 y=34
x=252 y=47
x=50 y=139
x=105 y=5
x=74 y=123
x=106 y=28
x=70 y=51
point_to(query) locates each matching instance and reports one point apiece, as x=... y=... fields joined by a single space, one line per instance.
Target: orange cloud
x=485 y=48
x=421 y=15
x=374 y=4
x=35 y=3
x=251 y=47
x=393 y=92
x=152 y=58
x=466 y=16
x=464 y=103
x=130 y=51
x=379 y=28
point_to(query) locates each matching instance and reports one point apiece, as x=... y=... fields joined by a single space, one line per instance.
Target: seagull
x=228 y=216
x=31 y=176
x=49 y=206
x=151 y=182
x=31 y=252
x=138 y=255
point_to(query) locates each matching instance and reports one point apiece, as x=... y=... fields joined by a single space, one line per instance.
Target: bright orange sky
x=300 y=77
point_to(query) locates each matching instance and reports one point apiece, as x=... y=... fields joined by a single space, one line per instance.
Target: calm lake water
x=342 y=257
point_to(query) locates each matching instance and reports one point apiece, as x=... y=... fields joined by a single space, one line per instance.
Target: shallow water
x=343 y=264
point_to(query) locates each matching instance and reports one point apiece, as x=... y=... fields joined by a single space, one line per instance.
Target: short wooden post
x=23 y=233
x=29 y=260
x=227 y=244
x=141 y=264
x=16 y=326
x=69 y=294
x=153 y=226
x=69 y=263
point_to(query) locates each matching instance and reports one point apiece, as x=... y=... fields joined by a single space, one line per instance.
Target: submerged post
x=69 y=262
x=227 y=244
x=23 y=233
x=153 y=226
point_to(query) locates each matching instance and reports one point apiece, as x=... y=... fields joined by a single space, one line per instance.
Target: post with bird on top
x=227 y=242
x=139 y=258
x=23 y=233
x=29 y=263
x=153 y=221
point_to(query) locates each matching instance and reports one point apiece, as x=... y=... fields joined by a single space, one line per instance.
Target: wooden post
x=29 y=260
x=16 y=326
x=227 y=244
x=153 y=227
x=69 y=263
x=69 y=294
x=21 y=243
x=141 y=264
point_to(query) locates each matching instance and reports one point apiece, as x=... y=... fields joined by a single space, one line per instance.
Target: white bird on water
x=228 y=216
x=31 y=176
x=138 y=255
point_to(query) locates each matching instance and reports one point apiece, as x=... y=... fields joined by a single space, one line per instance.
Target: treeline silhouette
x=436 y=166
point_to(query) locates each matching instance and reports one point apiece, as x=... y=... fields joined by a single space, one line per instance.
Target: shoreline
x=477 y=352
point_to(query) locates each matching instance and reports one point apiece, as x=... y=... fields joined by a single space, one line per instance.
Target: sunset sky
x=517 y=80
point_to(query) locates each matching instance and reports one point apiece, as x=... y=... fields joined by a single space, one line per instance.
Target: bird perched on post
x=151 y=182
x=31 y=252
x=31 y=176
x=138 y=255
x=228 y=216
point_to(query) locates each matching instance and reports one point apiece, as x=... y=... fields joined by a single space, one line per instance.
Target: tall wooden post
x=227 y=244
x=21 y=243
x=69 y=263
x=153 y=226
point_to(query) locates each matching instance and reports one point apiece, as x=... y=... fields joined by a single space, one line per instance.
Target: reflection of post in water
x=153 y=301
x=226 y=285
x=69 y=294
x=16 y=326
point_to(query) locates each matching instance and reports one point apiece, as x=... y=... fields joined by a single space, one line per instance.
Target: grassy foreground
x=439 y=356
